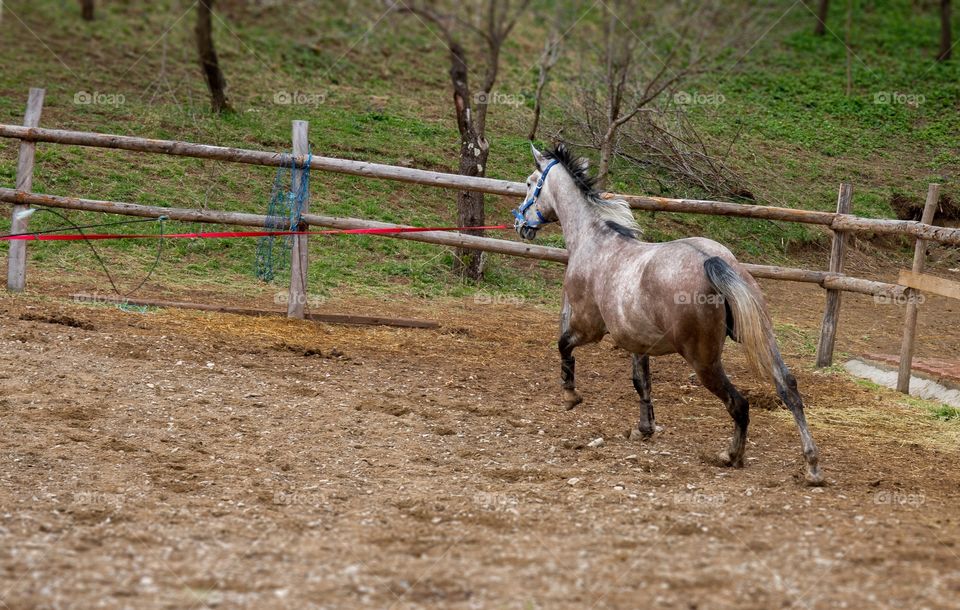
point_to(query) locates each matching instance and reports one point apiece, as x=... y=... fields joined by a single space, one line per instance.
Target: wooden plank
x=723 y=208
x=837 y=222
x=247 y=311
x=17 y=256
x=930 y=283
x=890 y=292
x=831 y=311
x=499 y=246
x=910 y=317
x=921 y=230
x=299 y=267
x=270 y=159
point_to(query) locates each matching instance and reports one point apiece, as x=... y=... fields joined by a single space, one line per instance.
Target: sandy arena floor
x=177 y=459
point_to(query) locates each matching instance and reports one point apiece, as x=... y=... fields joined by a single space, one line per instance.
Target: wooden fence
x=842 y=223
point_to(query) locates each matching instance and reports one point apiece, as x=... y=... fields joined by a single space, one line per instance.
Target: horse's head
x=535 y=211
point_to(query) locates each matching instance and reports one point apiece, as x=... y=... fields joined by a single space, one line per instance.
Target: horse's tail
x=751 y=324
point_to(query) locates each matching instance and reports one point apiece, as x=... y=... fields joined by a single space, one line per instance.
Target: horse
x=684 y=296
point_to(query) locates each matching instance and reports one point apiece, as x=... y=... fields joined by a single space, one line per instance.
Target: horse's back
x=663 y=295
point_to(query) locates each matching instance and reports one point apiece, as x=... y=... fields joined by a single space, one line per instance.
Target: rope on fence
x=273 y=255
x=52 y=235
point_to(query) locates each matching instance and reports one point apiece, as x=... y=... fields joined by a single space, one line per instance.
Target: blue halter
x=521 y=221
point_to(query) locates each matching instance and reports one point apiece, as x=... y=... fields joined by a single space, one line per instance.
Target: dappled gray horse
x=684 y=296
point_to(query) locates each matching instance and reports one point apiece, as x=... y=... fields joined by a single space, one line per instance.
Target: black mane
x=613 y=214
x=577 y=168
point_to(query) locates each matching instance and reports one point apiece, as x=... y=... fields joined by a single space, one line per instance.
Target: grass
x=382 y=95
x=945 y=412
x=936 y=410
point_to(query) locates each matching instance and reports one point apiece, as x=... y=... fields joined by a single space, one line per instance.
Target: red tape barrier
x=232 y=234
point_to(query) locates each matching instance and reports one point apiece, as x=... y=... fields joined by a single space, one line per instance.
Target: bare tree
x=822 y=9
x=635 y=61
x=87 y=9
x=667 y=147
x=208 y=57
x=847 y=42
x=548 y=59
x=489 y=22
x=632 y=73
x=946 y=36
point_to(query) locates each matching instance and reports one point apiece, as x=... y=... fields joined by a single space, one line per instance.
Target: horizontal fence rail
x=501 y=246
x=269 y=159
x=832 y=220
x=826 y=279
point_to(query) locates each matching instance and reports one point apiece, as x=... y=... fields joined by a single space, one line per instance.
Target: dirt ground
x=173 y=459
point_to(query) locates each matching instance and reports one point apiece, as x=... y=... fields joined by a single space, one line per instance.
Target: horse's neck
x=582 y=231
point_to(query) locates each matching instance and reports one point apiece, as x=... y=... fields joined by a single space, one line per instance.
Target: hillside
x=374 y=87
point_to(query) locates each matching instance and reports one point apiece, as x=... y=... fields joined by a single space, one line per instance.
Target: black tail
x=750 y=323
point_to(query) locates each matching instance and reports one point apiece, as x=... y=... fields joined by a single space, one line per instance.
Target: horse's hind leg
x=641 y=383
x=787 y=389
x=715 y=379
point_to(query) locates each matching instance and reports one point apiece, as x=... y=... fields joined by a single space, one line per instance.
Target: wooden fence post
x=299 y=268
x=831 y=313
x=910 y=318
x=17 y=257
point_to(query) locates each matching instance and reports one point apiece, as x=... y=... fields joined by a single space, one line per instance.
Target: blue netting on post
x=273 y=253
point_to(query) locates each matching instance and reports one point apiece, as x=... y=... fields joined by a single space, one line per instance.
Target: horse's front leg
x=568 y=369
x=568 y=340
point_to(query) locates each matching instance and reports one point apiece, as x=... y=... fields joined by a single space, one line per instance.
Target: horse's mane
x=614 y=214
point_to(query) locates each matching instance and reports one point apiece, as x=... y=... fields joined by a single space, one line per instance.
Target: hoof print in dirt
x=57 y=318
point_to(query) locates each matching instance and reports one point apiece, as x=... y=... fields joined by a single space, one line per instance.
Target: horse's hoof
x=727 y=460
x=639 y=435
x=814 y=476
x=570 y=404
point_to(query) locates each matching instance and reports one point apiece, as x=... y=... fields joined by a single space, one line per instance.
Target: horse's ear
x=537 y=156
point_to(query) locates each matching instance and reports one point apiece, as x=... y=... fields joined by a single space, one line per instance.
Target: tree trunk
x=821 y=27
x=86 y=11
x=946 y=36
x=536 y=109
x=549 y=58
x=846 y=43
x=606 y=156
x=208 y=57
x=470 y=212
x=474 y=150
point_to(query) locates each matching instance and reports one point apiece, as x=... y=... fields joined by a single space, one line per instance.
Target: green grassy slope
x=376 y=89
